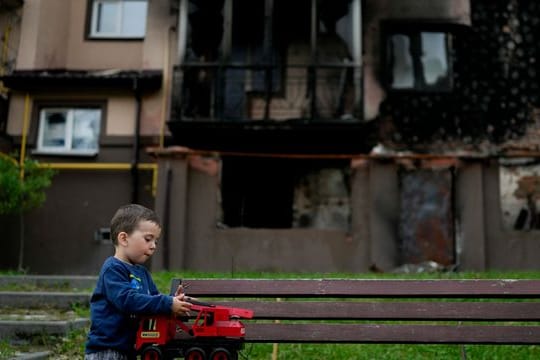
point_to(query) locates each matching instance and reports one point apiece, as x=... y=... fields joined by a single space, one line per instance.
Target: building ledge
x=293 y=137
x=25 y=80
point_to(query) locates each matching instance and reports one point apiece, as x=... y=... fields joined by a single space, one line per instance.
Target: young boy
x=125 y=288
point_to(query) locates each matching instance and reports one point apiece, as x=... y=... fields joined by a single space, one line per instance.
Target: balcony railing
x=239 y=92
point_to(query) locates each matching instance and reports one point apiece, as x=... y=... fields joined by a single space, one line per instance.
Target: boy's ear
x=122 y=238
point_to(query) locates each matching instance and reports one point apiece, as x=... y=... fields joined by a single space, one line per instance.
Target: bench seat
x=380 y=311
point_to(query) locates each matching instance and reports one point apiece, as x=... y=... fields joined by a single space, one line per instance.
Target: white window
x=420 y=61
x=69 y=131
x=118 y=19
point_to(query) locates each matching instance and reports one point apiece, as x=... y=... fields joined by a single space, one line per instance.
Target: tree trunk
x=21 y=243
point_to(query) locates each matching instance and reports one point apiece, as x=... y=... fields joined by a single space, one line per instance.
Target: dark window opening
x=268 y=60
x=285 y=193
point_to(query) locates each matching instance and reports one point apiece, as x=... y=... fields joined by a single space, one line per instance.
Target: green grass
x=6 y=350
x=390 y=352
x=72 y=346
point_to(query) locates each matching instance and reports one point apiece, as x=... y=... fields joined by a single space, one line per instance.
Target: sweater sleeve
x=128 y=300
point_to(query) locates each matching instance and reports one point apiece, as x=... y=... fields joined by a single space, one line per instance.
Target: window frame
x=411 y=30
x=94 y=34
x=67 y=149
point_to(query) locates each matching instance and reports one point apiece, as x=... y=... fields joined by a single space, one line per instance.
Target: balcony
x=294 y=108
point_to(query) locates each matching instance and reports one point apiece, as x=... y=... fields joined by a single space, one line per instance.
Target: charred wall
x=495 y=85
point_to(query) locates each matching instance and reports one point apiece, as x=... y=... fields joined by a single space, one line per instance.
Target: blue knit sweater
x=123 y=291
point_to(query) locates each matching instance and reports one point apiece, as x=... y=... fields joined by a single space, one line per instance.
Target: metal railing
x=245 y=92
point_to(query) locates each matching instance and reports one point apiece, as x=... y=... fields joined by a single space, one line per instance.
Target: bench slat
x=347 y=310
x=363 y=288
x=402 y=334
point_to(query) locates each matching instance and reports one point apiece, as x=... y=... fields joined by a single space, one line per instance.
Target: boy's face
x=137 y=247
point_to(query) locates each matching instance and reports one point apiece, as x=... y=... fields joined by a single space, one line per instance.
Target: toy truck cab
x=219 y=321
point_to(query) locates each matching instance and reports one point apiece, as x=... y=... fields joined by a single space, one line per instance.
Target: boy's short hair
x=127 y=218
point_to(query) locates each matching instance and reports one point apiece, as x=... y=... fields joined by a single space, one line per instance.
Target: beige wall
x=54 y=36
x=10 y=28
x=15 y=116
x=44 y=34
x=97 y=54
x=160 y=40
x=375 y=11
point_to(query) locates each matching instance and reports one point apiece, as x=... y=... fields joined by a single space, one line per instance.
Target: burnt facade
x=310 y=135
x=493 y=90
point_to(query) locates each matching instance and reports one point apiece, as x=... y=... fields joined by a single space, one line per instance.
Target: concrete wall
x=505 y=249
x=59 y=237
x=470 y=232
x=384 y=214
x=196 y=242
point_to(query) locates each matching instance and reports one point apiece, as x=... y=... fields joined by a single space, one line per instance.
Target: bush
x=22 y=189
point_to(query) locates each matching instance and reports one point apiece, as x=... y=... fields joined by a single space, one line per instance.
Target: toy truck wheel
x=221 y=354
x=151 y=353
x=195 y=353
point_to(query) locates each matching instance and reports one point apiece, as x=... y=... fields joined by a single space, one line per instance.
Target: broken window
x=270 y=59
x=418 y=60
x=69 y=131
x=285 y=193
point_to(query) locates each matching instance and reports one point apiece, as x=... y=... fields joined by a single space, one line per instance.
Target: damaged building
x=313 y=135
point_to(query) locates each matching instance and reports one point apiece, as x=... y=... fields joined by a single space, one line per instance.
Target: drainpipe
x=166 y=219
x=268 y=71
x=136 y=142
x=312 y=70
x=26 y=122
x=357 y=58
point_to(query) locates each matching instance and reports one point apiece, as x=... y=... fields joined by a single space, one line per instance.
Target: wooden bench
x=381 y=311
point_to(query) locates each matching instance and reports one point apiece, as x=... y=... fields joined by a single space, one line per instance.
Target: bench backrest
x=381 y=311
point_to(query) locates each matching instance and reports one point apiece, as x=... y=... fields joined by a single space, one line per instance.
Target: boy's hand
x=180 y=307
x=179 y=290
x=180 y=295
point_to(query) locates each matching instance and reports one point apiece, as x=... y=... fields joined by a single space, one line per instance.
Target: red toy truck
x=216 y=333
